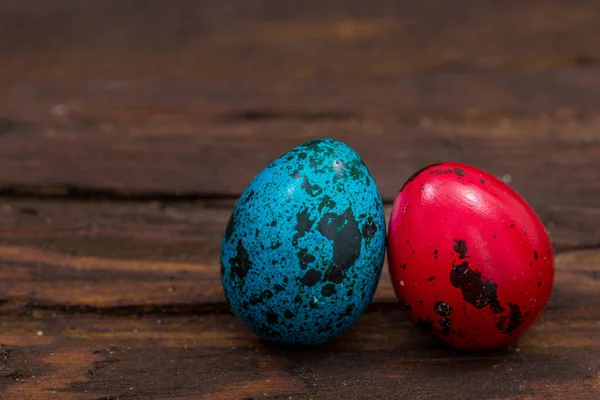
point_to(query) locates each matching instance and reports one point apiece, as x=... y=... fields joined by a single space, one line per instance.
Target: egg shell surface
x=470 y=260
x=303 y=250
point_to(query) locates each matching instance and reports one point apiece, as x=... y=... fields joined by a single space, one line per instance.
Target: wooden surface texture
x=129 y=128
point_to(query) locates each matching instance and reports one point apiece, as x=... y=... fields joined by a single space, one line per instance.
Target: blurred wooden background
x=129 y=128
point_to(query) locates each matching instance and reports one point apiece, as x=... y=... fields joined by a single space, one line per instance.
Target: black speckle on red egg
x=442 y=309
x=460 y=247
x=476 y=290
x=459 y=171
x=446 y=324
x=509 y=323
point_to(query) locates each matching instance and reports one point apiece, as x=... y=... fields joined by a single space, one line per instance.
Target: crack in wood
x=93 y=194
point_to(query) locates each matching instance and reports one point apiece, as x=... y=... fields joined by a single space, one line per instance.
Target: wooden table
x=129 y=128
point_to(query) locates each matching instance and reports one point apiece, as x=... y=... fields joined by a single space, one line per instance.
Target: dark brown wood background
x=129 y=128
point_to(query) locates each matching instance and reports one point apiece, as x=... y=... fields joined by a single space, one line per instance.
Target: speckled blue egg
x=303 y=250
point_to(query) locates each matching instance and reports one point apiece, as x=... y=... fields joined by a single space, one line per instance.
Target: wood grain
x=197 y=99
x=553 y=164
x=102 y=297
x=128 y=258
x=69 y=343
x=74 y=356
x=272 y=42
x=128 y=129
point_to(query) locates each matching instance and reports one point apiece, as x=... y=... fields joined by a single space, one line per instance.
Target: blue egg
x=303 y=250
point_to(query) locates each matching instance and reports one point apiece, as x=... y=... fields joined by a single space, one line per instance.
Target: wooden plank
x=70 y=356
x=107 y=255
x=68 y=41
x=74 y=356
x=120 y=258
x=131 y=101
x=554 y=159
x=130 y=258
x=196 y=99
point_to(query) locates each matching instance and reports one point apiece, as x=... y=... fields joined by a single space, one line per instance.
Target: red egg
x=470 y=260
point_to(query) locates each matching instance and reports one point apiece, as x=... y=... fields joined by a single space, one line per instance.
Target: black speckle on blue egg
x=303 y=250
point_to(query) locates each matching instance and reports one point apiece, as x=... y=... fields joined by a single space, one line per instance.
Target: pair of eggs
x=303 y=251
